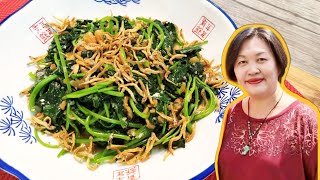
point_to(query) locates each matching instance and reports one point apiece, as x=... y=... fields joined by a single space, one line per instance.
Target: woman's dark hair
x=266 y=35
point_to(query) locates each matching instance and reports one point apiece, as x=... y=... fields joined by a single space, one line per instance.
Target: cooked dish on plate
x=112 y=89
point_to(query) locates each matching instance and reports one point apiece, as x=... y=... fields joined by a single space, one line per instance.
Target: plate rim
x=11 y=170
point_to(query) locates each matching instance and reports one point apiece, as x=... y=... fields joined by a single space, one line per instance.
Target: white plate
x=20 y=38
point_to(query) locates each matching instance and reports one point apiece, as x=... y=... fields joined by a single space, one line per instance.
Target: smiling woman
x=255 y=56
x=268 y=128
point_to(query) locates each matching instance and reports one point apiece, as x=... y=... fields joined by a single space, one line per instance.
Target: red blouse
x=285 y=148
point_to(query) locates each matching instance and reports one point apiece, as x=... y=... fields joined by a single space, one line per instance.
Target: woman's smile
x=254 y=80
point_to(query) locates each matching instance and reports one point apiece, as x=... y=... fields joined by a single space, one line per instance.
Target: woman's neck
x=260 y=106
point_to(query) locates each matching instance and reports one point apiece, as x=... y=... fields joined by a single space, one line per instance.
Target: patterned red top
x=284 y=148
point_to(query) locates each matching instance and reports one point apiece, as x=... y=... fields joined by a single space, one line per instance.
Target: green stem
x=144 y=141
x=104 y=84
x=81 y=93
x=109 y=66
x=175 y=65
x=149 y=30
x=111 y=25
x=171 y=136
x=114 y=93
x=211 y=104
x=37 y=89
x=87 y=91
x=165 y=111
x=147 y=21
x=137 y=111
x=103 y=118
x=106 y=108
x=145 y=34
x=63 y=62
x=112 y=88
x=103 y=134
x=91 y=27
x=81 y=121
x=56 y=60
x=67 y=116
x=103 y=26
x=79 y=75
x=161 y=36
x=62 y=152
x=187 y=98
x=159 y=80
x=196 y=103
x=103 y=154
x=42 y=142
x=103 y=159
x=192 y=48
x=123 y=54
x=165 y=136
x=151 y=24
x=75 y=129
x=32 y=76
x=189 y=127
x=164 y=127
x=191 y=108
x=141 y=134
x=86 y=140
x=190 y=92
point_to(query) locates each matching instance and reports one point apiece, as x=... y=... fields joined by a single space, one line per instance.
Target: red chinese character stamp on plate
x=42 y=30
x=203 y=28
x=131 y=173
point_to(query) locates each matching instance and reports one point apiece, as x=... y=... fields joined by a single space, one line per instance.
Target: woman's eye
x=241 y=62
x=262 y=59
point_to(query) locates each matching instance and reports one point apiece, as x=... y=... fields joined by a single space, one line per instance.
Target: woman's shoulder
x=303 y=109
x=306 y=118
x=234 y=110
x=305 y=114
x=235 y=106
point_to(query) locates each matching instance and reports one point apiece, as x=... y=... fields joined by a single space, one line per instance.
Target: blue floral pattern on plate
x=14 y=122
x=121 y=2
x=226 y=95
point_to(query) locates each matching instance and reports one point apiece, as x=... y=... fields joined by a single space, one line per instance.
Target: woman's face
x=256 y=69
